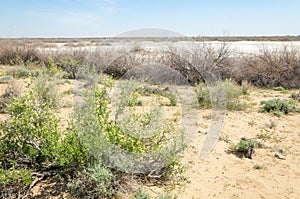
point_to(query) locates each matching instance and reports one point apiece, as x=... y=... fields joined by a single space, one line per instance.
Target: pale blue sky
x=98 y=18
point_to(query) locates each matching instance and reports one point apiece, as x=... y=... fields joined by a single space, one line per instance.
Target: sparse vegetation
x=33 y=147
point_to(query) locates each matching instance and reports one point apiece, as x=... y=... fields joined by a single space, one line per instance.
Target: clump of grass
x=233 y=92
x=164 y=92
x=45 y=90
x=13 y=90
x=279 y=106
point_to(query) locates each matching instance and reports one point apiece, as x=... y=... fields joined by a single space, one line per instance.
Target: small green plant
x=31 y=130
x=244 y=146
x=278 y=107
x=140 y=194
x=68 y=92
x=281 y=89
x=164 y=92
x=258 y=166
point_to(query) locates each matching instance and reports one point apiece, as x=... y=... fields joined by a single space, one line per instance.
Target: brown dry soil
x=223 y=174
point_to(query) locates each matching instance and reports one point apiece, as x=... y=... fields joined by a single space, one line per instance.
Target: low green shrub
x=278 y=106
x=14 y=182
x=140 y=194
x=70 y=66
x=245 y=146
x=281 y=89
x=31 y=131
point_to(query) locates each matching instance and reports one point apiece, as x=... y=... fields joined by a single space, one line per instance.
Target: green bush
x=141 y=134
x=281 y=89
x=70 y=66
x=14 y=182
x=278 y=107
x=70 y=151
x=31 y=131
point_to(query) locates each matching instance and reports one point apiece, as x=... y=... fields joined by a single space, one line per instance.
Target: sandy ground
x=223 y=174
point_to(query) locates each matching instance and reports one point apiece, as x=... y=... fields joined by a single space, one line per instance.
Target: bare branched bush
x=18 y=53
x=168 y=58
x=271 y=68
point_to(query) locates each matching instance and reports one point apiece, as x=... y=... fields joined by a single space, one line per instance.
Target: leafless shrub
x=141 y=57
x=18 y=53
x=271 y=67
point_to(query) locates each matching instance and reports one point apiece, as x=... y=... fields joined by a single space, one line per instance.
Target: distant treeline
x=247 y=38
x=157 y=39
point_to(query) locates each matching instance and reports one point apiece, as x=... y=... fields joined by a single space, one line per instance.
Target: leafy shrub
x=31 y=131
x=126 y=135
x=278 y=107
x=14 y=182
x=70 y=66
x=51 y=66
x=71 y=152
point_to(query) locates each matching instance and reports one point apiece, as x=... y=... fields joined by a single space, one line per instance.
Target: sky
x=108 y=18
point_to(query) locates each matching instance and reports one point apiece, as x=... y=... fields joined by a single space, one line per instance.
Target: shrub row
x=268 y=68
